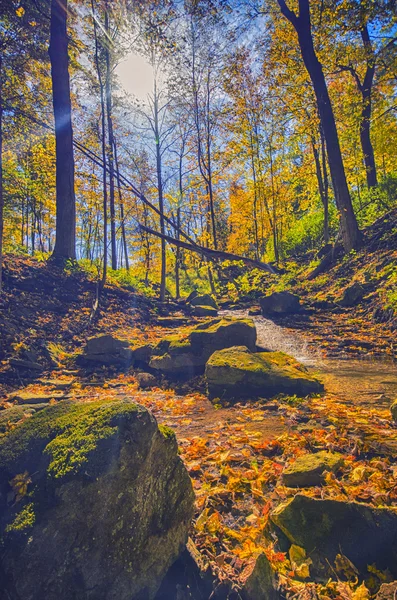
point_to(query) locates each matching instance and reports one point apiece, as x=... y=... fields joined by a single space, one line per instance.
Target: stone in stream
x=187 y=355
x=238 y=373
x=280 y=303
x=106 y=350
x=205 y=311
x=204 y=300
x=309 y=470
x=94 y=502
x=327 y=528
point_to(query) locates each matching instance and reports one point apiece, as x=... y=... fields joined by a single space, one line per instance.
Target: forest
x=198 y=299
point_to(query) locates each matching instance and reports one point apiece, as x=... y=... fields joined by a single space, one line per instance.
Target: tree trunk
x=108 y=88
x=123 y=236
x=351 y=235
x=65 y=243
x=160 y=195
x=104 y=177
x=366 y=92
x=1 y=175
x=321 y=185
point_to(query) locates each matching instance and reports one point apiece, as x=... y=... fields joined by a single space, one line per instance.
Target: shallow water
x=365 y=381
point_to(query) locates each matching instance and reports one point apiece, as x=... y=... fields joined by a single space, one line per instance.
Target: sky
x=136 y=76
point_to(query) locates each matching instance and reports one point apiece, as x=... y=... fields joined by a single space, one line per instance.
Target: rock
x=172 y=321
x=58 y=384
x=205 y=311
x=280 y=303
x=352 y=295
x=204 y=300
x=10 y=416
x=186 y=356
x=142 y=354
x=255 y=311
x=23 y=397
x=146 y=380
x=325 y=528
x=387 y=591
x=393 y=410
x=238 y=373
x=261 y=583
x=103 y=507
x=189 y=577
x=106 y=350
x=309 y=469
x=191 y=296
x=19 y=363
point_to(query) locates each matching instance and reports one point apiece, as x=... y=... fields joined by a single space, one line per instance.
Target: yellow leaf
x=20 y=11
x=361 y=593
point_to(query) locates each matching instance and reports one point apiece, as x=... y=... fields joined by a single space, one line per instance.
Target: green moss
x=66 y=433
x=24 y=519
x=167 y=432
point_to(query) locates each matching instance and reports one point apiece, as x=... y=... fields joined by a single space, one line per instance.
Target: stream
x=363 y=381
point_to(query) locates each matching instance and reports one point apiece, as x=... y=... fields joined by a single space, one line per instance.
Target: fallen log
x=210 y=252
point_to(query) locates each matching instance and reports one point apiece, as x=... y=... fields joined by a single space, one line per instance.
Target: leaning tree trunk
x=351 y=235
x=65 y=242
x=1 y=176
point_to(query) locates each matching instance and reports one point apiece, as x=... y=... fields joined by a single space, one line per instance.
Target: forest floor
x=235 y=454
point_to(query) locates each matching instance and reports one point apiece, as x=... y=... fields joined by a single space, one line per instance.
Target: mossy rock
x=106 y=350
x=94 y=503
x=204 y=300
x=279 y=304
x=261 y=582
x=10 y=416
x=352 y=295
x=326 y=528
x=186 y=355
x=238 y=373
x=309 y=470
x=205 y=311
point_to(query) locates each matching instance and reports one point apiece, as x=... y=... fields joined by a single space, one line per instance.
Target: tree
x=351 y=235
x=65 y=242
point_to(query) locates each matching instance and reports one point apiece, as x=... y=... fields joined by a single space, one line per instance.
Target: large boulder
x=205 y=311
x=94 y=503
x=279 y=304
x=352 y=295
x=310 y=469
x=187 y=355
x=106 y=350
x=327 y=528
x=204 y=300
x=238 y=373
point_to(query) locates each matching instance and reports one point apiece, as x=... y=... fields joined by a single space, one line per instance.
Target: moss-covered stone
x=205 y=311
x=280 y=303
x=106 y=350
x=325 y=528
x=238 y=373
x=186 y=354
x=204 y=300
x=310 y=469
x=104 y=508
x=261 y=582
